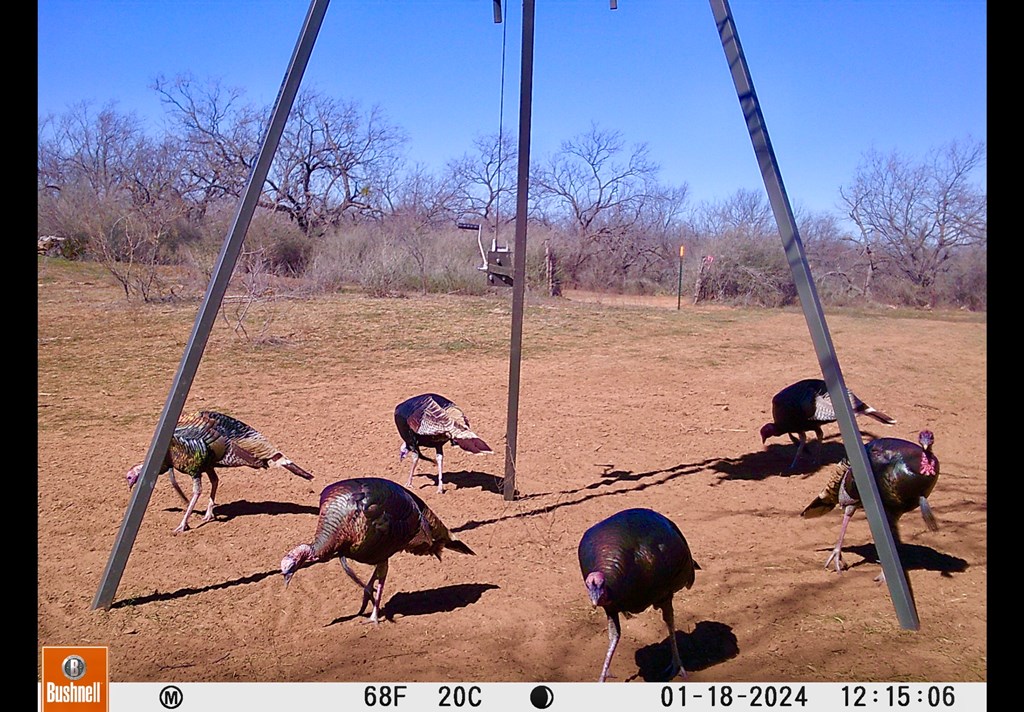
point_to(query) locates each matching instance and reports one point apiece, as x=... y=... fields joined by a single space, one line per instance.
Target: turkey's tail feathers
x=456 y=545
x=433 y=536
x=928 y=516
x=877 y=415
x=293 y=468
x=473 y=445
x=828 y=498
x=817 y=508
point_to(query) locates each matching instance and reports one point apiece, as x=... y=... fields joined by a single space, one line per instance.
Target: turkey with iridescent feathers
x=369 y=520
x=431 y=420
x=207 y=439
x=905 y=473
x=631 y=561
x=804 y=407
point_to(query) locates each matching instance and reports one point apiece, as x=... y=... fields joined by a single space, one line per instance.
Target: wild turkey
x=430 y=420
x=369 y=519
x=207 y=439
x=804 y=407
x=906 y=474
x=631 y=561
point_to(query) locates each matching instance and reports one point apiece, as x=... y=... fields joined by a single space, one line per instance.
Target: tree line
x=343 y=206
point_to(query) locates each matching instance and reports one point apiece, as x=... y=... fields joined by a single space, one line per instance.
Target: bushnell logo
x=74 y=679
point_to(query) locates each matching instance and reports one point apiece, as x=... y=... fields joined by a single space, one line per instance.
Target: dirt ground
x=623 y=404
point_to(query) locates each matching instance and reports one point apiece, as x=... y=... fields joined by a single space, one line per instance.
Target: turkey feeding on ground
x=804 y=407
x=431 y=420
x=369 y=519
x=631 y=561
x=207 y=439
x=905 y=473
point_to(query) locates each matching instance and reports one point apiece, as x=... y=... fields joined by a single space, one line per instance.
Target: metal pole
x=895 y=576
x=208 y=310
x=519 y=258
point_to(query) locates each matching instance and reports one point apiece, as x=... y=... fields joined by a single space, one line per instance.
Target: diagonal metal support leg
x=208 y=311
x=895 y=576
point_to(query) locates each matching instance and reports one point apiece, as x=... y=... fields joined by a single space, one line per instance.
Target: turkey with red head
x=905 y=473
x=631 y=561
x=369 y=520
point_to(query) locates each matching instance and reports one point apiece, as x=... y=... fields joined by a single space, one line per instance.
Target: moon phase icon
x=541 y=696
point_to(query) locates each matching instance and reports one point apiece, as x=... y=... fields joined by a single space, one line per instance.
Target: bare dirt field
x=623 y=404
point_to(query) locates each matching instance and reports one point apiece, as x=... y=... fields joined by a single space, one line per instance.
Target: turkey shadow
x=913 y=556
x=244 y=508
x=762 y=464
x=709 y=644
x=640 y=480
x=423 y=603
x=463 y=479
x=774 y=458
x=183 y=592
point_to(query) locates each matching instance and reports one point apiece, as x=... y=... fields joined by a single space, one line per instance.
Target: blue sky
x=835 y=78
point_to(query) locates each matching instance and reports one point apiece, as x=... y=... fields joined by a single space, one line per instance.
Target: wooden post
x=679 y=288
x=554 y=286
x=698 y=287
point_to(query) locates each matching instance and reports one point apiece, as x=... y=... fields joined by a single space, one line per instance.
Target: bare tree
x=593 y=188
x=110 y=188
x=913 y=217
x=486 y=181
x=95 y=149
x=422 y=206
x=834 y=265
x=748 y=263
x=642 y=244
x=745 y=213
x=333 y=161
x=218 y=135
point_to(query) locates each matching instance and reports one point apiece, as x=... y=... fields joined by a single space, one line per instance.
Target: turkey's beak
x=595 y=595
x=287 y=578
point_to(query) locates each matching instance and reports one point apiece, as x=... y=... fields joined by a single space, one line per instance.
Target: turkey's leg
x=412 y=470
x=799 y=449
x=677 y=662
x=837 y=553
x=440 y=473
x=613 y=640
x=379 y=574
x=197 y=488
x=213 y=495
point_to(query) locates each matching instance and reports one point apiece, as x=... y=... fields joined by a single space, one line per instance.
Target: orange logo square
x=75 y=679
